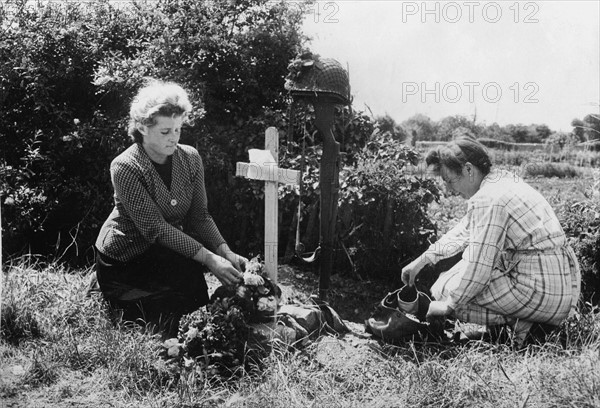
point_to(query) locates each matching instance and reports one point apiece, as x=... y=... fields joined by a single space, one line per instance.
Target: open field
x=559 y=192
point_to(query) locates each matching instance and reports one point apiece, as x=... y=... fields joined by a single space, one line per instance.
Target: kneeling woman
x=516 y=267
x=159 y=239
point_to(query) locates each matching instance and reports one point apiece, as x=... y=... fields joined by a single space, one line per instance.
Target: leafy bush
x=67 y=74
x=381 y=205
x=215 y=339
x=352 y=130
x=383 y=220
x=59 y=195
x=588 y=253
x=581 y=222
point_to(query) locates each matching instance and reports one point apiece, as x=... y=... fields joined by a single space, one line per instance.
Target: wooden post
x=271 y=206
x=329 y=183
x=1 y=269
x=264 y=166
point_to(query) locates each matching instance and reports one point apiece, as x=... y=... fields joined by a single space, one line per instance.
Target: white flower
x=172 y=342
x=191 y=334
x=173 y=351
x=251 y=279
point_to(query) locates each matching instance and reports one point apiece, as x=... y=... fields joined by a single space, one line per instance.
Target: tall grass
x=56 y=332
x=59 y=348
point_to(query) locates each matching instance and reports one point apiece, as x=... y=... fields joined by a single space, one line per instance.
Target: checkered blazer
x=516 y=259
x=147 y=212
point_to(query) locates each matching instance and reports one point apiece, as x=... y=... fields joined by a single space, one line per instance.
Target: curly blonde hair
x=157 y=98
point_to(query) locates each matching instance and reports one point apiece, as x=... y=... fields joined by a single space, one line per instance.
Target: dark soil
x=352 y=299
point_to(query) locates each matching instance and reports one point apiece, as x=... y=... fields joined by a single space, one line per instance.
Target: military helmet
x=312 y=76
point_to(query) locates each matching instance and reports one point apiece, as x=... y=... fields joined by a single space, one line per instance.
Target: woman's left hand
x=438 y=308
x=238 y=261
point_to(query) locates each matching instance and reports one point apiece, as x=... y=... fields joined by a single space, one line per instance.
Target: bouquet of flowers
x=214 y=341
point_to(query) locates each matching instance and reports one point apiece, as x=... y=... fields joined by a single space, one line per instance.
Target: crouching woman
x=159 y=238
x=516 y=266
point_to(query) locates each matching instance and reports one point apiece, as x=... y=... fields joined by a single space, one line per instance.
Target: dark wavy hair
x=456 y=153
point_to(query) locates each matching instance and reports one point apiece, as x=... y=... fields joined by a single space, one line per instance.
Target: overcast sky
x=507 y=61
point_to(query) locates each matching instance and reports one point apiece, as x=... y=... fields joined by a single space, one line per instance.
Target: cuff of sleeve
x=193 y=250
x=218 y=244
x=429 y=257
x=451 y=304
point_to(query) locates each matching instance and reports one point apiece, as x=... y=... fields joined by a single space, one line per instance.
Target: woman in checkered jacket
x=516 y=266
x=159 y=239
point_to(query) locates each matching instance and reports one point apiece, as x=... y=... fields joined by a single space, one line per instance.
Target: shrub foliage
x=68 y=73
x=581 y=221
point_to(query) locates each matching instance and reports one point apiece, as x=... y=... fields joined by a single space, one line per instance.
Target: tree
x=543 y=132
x=462 y=132
x=519 y=133
x=561 y=139
x=446 y=127
x=387 y=125
x=420 y=127
x=495 y=132
x=578 y=129
x=587 y=129
x=68 y=73
x=233 y=54
x=592 y=126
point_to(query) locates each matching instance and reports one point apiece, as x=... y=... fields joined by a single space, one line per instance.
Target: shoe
x=391 y=324
x=408 y=299
x=391 y=321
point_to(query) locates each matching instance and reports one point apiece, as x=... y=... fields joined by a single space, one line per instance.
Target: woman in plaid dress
x=516 y=266
x=159 y=239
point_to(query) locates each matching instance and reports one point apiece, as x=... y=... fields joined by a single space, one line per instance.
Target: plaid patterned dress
x=516 y=263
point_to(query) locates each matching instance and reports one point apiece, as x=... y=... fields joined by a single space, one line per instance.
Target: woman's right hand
x=224 y=270
x=219 y=266
x=410 y=271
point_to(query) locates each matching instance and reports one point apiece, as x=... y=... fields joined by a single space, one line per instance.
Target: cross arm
x=267 y=172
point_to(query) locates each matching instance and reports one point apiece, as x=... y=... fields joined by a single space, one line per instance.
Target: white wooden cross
x=264 y=166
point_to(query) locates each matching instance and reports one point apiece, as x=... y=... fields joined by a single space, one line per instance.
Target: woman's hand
x=224 y=270
x=220 y=266
x=410 y=271
x=238 y=261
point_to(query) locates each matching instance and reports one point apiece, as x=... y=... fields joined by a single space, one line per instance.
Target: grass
x=58 y=348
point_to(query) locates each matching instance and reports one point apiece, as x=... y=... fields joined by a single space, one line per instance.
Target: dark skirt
x=155 y=288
